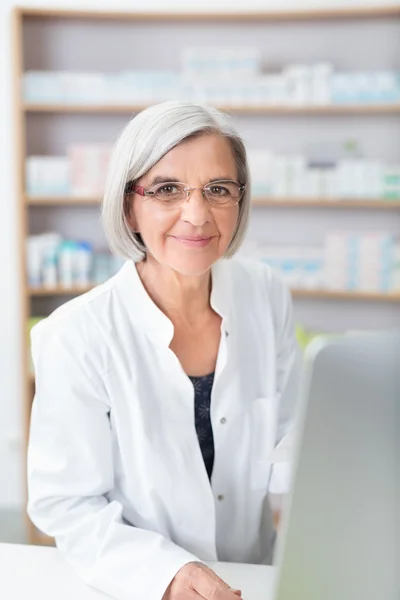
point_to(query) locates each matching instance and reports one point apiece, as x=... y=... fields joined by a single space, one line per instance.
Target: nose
x=196 y=210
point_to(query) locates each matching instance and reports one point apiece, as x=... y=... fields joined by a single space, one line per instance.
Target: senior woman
x=161 y=394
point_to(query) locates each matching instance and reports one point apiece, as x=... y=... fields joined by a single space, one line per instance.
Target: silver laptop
x=340 y=537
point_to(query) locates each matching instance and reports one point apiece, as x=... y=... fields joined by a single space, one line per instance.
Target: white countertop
x=40 y=573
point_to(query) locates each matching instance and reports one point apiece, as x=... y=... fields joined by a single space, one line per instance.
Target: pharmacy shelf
x=25 y=21
x=339 y=109
x=59 y=291
x=342 y=295
x=325 y=203
x=297 y=293
x=61 y=201
x=355 y=12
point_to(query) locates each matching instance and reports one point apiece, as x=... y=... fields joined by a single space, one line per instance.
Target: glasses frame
x=132 y=188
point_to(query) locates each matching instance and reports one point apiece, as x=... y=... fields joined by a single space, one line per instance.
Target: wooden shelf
x=61 y=201
x=360 y=12
x=342 y=295
x=40 y=539
x=320 y=203
x=59 y=291
x=266 y=202
x=337 y=109
x=298 y=293
x=84 y=108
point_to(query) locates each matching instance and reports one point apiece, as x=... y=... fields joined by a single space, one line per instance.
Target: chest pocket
x=263 y=416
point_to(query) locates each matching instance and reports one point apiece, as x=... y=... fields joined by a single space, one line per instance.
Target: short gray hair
x=143 y=142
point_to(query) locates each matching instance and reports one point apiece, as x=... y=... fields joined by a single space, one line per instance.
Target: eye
x=219 y=190
x=167 y=189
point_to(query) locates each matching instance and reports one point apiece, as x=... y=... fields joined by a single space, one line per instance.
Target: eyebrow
x=165 y=179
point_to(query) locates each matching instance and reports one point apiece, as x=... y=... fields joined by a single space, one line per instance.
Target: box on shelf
x=53 y=262
x=221 y=61
x=391 y=182
x=347 y=261
x=360 y=261
x=47 y=176
x=296 y=176
x=215 y=75
x=82 y=173
x=366 y=87
x=88 y=169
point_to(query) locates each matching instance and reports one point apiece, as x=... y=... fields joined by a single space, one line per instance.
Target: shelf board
x=321 y=203
x=61 y=201
x=59 y=291
x=297 y=293
x=361 y=12
x=37 y=538
x=267 y=202
x=337 y=109
x=344 y=295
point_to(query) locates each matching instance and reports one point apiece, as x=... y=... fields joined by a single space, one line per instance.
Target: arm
x=70 y=471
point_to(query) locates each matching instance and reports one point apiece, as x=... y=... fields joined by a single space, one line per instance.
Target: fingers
x=210 y=587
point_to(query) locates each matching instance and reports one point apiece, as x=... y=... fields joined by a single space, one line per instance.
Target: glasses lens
x=170 y=193
x=223 y=192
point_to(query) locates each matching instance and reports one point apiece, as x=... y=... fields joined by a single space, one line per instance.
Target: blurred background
x=312 y=86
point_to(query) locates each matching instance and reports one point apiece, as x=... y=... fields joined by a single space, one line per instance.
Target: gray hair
x=143 y=142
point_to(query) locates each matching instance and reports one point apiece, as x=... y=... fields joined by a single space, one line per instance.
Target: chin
x=192 y=265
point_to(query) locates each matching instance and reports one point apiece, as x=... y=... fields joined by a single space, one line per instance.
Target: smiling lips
x=193 y=241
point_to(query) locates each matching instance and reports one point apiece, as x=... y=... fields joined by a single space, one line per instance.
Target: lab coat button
x=226 y=334
x=223 y=421
x=221 y=497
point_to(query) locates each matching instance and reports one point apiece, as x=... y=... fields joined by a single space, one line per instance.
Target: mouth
x=193 y=242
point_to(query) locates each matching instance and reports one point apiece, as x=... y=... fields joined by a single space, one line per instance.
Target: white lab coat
x=115 y=471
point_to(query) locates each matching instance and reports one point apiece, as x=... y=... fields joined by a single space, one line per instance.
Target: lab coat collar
x=145 y=314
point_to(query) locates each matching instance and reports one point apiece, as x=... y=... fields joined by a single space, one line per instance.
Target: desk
x=39 y=573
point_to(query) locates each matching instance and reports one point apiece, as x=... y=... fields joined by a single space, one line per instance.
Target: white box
x=89 y=166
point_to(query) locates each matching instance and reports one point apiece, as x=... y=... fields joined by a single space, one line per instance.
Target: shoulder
x=257 y=279
x=257 y=290
x=75 y=324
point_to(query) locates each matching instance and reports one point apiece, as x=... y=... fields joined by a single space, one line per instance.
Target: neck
x=180 y=297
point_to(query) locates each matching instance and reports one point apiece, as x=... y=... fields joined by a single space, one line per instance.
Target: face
x=188 y=239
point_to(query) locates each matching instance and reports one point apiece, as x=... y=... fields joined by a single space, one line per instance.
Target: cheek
x=153 y=224
x=226 y=221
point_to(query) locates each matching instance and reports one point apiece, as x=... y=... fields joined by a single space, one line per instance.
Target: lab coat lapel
x=144 y=315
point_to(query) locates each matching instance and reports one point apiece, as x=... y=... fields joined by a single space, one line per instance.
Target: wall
x=11 y=461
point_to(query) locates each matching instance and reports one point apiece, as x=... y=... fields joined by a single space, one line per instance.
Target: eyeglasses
x=174 y=194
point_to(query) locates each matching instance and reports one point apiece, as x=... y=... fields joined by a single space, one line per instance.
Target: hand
x=195 y=580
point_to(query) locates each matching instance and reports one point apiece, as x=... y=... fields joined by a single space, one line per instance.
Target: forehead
x=205 y=157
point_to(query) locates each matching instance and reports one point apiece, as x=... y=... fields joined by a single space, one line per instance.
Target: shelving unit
x=55 y=119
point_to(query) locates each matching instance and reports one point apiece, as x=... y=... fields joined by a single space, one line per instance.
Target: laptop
x=340 y=535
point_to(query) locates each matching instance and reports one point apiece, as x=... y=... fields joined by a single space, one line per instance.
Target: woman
x=162 y=393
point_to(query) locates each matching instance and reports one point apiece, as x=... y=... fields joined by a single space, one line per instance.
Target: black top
x=202 y=418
